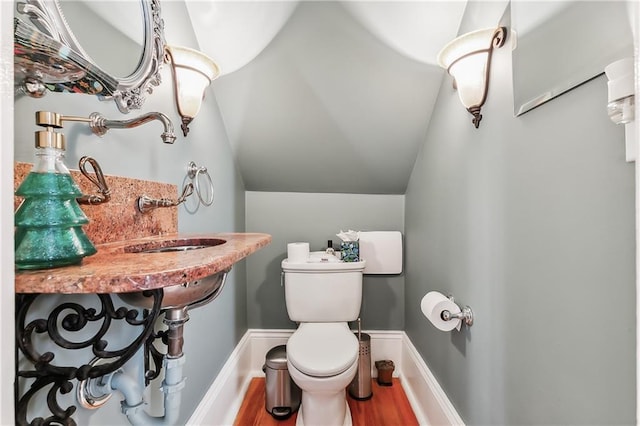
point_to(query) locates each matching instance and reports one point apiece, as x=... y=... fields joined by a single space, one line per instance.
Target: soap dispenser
x=48 y=223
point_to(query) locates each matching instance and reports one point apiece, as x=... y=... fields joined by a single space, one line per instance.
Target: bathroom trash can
x=282 y=395
x=385 y=369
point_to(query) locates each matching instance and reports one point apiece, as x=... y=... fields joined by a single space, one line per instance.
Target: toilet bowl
x=323 y=294
x=322 y=359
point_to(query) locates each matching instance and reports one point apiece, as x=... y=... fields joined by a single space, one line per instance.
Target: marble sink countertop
x=114 y=270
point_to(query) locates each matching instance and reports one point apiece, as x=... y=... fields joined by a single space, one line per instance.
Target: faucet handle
x=49 y=119
x=146 y=204
x=98 y=180
x=186 y=191
x=54 y=119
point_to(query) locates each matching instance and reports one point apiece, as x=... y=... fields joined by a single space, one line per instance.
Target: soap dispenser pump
x=48 y=223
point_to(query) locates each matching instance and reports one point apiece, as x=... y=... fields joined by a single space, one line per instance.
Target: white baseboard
x=261 y=342
x=427 y=398
x=222 y=401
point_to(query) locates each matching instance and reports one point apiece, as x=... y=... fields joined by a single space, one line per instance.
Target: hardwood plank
x=389 y=406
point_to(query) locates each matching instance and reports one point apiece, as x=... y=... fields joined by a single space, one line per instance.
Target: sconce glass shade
x=193 y=72
x=468 y=61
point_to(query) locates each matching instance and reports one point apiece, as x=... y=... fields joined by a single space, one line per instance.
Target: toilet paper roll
x=297 y=252
x=432 y=305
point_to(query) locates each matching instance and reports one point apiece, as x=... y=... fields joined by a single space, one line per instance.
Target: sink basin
x=190 y=295
x=173 y=245
x=170 y=249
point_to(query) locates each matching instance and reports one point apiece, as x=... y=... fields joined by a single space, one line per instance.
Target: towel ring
x=194 y=172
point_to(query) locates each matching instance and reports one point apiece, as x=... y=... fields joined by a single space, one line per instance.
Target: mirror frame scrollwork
x=130 y=93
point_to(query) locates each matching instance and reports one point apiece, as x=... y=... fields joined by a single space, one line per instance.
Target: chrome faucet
x=100 y=125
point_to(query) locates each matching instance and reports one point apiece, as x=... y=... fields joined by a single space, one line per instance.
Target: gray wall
x=524 y=219
x=316 y=218
x=214 y=330
x=529 y=220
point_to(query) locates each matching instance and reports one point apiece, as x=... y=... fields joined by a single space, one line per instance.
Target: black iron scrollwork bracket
x=42 y=371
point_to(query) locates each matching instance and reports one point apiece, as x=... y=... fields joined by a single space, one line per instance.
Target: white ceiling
x=235 y=32
x=326 y=96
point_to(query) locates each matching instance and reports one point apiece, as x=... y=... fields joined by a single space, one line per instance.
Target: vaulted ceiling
x=326 y=96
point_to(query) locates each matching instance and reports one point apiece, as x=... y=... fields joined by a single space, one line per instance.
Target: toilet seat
x=322 y=349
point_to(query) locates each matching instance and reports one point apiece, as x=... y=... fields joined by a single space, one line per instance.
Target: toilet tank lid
x=318 y=262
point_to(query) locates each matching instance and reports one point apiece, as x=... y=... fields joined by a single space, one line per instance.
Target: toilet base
x=347 y=417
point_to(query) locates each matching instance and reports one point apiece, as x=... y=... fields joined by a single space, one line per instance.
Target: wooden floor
x=389 y=406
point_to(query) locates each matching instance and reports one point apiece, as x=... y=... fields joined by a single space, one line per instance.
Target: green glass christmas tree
x=48 y=223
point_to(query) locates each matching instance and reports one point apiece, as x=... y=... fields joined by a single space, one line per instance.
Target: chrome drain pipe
x=93 y=393
x=175 y=318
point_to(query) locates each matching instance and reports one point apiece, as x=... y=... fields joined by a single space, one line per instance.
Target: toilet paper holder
x=466 y=314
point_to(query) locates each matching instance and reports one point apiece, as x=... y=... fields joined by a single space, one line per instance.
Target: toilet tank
x=323 y=291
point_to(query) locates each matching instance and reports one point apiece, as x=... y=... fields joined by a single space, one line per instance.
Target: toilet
x=323 y=294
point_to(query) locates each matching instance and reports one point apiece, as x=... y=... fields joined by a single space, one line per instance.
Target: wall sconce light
x=621 y=106
x=468 y=61
x=193 y=71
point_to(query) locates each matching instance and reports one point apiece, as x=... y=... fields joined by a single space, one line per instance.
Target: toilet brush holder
x=360 y=387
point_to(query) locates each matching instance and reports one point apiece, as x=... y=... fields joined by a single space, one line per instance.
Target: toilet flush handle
x=281 y=278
